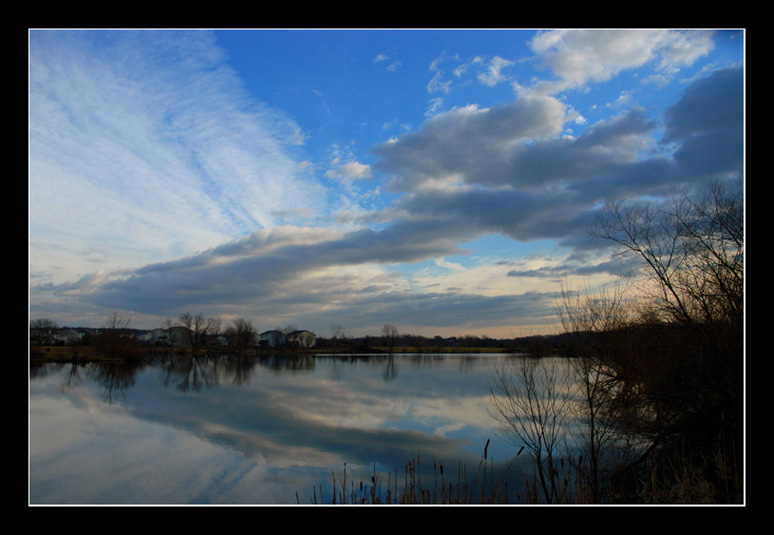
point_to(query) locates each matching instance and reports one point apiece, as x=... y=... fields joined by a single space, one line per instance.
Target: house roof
x=296 y=333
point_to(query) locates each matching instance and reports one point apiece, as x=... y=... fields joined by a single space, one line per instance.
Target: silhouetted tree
x=659 y=365
x=602 y=446
x=115 y=339
x=390 y=333
x=199 y=328
x=42 y=330
x=241 y=334
x=530 y=401
x=677 y=359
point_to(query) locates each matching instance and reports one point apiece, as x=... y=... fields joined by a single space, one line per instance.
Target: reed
x=419 y=487
x=484 y=486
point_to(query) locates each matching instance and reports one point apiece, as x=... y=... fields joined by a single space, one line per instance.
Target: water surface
x=253 y=431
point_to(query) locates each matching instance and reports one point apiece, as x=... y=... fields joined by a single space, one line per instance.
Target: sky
x=441 y=181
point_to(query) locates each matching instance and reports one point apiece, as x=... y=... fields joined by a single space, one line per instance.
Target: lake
x=256 y=430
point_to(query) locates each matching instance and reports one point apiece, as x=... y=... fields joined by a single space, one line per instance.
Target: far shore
x=67 y=354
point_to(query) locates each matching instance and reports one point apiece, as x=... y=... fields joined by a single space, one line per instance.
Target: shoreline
x=82 y=354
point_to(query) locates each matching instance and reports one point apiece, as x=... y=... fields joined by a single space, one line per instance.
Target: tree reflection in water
x=190 y=373
x=270 y=426
x=115 y=378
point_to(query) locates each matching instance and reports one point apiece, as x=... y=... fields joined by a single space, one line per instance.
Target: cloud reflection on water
x=250 y=436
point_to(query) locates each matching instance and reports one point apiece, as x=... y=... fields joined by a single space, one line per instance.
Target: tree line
x=200 y=332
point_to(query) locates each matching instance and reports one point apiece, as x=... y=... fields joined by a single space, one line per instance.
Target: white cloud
x=349 y=171
x=494 y=75
x=143 y=146
x=578 y=57
x=392 y=67
x=434 y=106
x=437 y=83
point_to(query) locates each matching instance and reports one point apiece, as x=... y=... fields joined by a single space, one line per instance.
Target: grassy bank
x=441 y=350
x=45 y=354
x=88 y=353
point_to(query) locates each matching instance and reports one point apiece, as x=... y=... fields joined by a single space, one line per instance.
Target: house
x=271 y=339
x=180 y=336
x=155 y=337
x=177 y=336
x=68 y=336
x=304 y=339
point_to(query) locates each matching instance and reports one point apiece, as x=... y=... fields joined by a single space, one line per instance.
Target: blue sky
x=438 y=180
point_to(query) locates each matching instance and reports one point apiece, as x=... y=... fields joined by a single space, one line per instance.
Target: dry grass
x=440 y=488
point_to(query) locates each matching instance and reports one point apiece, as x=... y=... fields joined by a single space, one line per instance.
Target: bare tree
x=115 y=340
x=241 y=333
x=337 y=332
x=692 y=249
x=43 y=323
x=287 y=329
x=530 y=402
x=42 y=330
x=600 y=446
x=117 y=322
x=676 y=362
x=390 y=334
x=199 y=328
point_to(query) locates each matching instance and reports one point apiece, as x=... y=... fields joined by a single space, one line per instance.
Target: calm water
x=221 y=431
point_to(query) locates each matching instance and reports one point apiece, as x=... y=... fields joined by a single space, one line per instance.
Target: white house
x=271 y=338
x=177 y=336
x=180 y=336
x=155 y=336
x=305 y=339
x=67 y=336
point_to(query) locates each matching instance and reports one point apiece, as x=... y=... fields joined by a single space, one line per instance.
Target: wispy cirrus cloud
x=144 y=146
